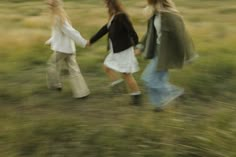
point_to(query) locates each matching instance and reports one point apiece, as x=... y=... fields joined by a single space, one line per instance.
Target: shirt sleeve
x=129 y=27
x=73 y=34
x=99 y=34
x=49 y=41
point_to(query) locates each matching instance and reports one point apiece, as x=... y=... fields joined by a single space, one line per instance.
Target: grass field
x=36 y=122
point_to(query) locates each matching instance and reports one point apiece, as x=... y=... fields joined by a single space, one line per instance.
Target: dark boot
x=136 y=100
x=59 y=89
x=158 y=109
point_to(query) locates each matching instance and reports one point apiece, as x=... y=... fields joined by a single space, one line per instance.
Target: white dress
x=124 y=61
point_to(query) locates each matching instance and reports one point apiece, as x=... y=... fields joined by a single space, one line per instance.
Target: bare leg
x=113 y=76
x=133 y=86
x=131 y=82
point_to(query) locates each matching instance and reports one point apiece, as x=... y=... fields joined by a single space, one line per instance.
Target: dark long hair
x=114 y=6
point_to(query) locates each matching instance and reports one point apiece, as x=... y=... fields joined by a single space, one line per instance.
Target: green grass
x=37 y=122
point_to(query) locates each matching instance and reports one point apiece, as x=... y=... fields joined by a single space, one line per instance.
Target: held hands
x=137 y=52
x=88 y=44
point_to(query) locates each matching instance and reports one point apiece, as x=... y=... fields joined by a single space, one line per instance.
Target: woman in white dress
x=121 y=41
x=62 y=42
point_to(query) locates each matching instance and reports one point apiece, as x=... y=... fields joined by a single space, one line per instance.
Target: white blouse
x=157 y=24
x=64 y=37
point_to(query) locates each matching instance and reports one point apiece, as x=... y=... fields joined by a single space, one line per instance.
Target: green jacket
x=176 y=47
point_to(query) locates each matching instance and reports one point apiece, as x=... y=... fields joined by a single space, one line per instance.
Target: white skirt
x=123 y=62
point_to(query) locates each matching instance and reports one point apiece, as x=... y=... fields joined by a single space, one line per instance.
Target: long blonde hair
x=158 y=6
x=57 y=11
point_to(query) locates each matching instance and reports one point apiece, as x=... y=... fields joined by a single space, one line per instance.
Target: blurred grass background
x=36 y=122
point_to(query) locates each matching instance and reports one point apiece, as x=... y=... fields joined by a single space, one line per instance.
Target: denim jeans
x=160 y=91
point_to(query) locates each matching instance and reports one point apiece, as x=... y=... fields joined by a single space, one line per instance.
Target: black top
x=121 y=32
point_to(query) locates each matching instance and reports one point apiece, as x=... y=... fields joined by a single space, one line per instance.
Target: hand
x=88 y=44
x=137 y=52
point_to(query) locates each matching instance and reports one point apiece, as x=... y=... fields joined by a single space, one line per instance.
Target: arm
x=73 y=34
x=99 y=34
x=185 y=42
x=142 y=43
x=129 y=27
x=139 y=48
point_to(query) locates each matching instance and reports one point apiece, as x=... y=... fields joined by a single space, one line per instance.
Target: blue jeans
x=160 y=91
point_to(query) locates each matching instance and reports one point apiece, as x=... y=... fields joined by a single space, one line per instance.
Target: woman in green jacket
x=168 y=46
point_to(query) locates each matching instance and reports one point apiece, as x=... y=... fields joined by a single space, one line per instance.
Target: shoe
x=59 y=89
x=172 y=97
x=84 y=97
x=136 y=100
x=158 y=109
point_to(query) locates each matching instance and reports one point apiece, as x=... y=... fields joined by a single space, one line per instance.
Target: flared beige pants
x=78 y=84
